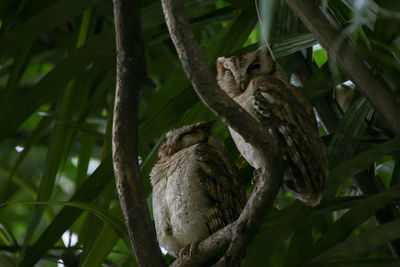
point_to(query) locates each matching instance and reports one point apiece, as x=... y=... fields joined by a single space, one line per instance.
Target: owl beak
x=243 y=84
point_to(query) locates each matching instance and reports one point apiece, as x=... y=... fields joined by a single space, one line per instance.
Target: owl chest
x=247 y=101
x=180 y=205
x=252 y=156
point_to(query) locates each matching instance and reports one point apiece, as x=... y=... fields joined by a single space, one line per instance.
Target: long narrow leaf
x=98 y=50
x=116 y=224
x=42 y=22
x=89 y=190
x=353 y=218
x=358 y=163
x=365 y=242
x=360 y=263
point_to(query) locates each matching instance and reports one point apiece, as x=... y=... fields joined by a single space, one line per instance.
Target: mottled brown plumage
x=196 y=188
x=259 y=85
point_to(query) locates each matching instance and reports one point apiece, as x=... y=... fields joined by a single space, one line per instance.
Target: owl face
x=184 y=136
x=235 y=73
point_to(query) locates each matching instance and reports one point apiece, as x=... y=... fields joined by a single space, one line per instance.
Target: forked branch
x=237 y=235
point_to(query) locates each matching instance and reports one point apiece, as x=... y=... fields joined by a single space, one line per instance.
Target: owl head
x=235 y=73
x=185 y=136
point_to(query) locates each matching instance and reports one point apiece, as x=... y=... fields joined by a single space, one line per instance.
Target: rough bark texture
x=131 y=76
x=238 y=234
x=367 y=83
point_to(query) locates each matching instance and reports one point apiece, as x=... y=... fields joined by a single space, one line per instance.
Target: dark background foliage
x=57 y=81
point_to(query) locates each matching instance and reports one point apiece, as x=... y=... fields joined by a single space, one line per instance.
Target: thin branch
x=131 y=76
x=367 y=83
x=238 y=234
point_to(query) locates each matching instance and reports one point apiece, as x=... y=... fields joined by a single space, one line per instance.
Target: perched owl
x=196 y=188
x=257 y=82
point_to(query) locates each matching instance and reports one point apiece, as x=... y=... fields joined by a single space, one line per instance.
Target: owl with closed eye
x=258 y=83
x=196 y=187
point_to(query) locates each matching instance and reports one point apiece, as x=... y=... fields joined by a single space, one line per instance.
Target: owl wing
x=225 y=193
x=293 y=124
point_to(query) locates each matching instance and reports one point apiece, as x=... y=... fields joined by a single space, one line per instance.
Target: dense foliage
x=57 y=81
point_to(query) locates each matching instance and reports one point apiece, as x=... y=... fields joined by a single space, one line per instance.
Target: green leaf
x=300 y=246
x=61 y=140
x=365 y=242
x=396 y=173
x=166 y=117
x=104 y=243
x=7 y=259
x=236 y=35
x=290 y=44
x=89 y=190
x=323 y=81
x=360 y=263
x=358 y=163
x=352 y=128
x=115 y=223
x=57 y=152
x=274 y=233
x=97 y=50
x=353 y=218
x=152 y=14
x=32 y=140
x=42 y=22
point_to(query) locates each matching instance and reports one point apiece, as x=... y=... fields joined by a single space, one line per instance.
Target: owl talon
x=188 y=249
x=183 y=252
x=193 y=247
x=256 y=176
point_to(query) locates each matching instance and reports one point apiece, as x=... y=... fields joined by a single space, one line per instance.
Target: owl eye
x=254 y=66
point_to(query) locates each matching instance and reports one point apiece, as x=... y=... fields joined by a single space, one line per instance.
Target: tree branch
x=367 y=83
x=131 y=76
x=238 y=234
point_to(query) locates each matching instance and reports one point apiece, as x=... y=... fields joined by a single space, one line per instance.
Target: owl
x=196 y=187
x=258 y=83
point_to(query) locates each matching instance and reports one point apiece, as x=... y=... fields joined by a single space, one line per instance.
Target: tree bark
x=238 y=234
x=351 y=63
x=131 y=76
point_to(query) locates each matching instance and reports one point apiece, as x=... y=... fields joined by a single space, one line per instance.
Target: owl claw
x=191 y=247
x=256 y=176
